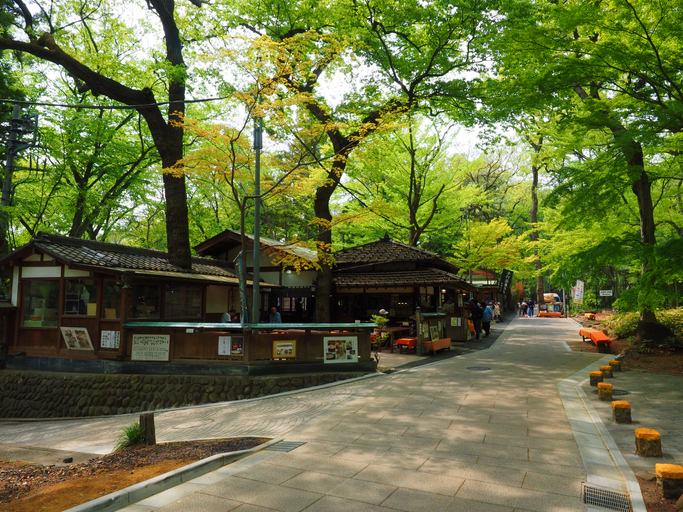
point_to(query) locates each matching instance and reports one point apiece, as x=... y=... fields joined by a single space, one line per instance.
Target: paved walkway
x=448 y=436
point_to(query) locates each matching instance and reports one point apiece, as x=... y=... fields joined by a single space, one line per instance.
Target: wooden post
x=147 y=424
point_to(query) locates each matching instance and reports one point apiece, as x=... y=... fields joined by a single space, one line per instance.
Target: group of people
x=526 y=308
x=232 y=316
x=482 y=314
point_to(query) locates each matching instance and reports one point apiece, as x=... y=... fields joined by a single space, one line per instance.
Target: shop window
x=183 y=301
x=111 y=307
x=80 y=297
x=41 y=300
x=144 y=301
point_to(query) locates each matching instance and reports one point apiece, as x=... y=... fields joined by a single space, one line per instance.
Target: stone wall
x=54 y=395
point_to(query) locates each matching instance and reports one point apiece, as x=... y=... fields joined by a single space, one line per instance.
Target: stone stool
x=595 y=378
x=605 y=391
x=616 y=365
x=670 y=479
x=606 y=372
x=621 y=411
x=648 y=443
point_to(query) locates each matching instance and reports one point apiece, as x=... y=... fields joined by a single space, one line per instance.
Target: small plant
x=132 y=435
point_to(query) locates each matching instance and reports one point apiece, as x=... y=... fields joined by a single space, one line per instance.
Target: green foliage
x=623 y=325
x=673 y=319
x=132 y=435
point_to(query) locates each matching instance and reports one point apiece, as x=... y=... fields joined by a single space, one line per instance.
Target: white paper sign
x=150 y=347
x=110 y=339
x=224 y=344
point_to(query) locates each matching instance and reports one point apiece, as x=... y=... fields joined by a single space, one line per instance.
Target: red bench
x=589 y=316
x=433 y=346
x=545 y=313
x=599 y=338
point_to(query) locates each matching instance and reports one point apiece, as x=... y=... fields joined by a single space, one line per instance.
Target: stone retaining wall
x=52 y=395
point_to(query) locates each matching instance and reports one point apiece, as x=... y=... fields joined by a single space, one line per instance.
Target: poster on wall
x=150 y=347
x=434 y=332
x=110 y=339
x=76 y=338
x=231 y=345
x=341 y=349
x=284 y=349
x=224 y=345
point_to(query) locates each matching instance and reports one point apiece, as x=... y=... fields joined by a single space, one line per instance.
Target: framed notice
x=434 y=332
x=340 y=349
x=224 y=345
x=284 y=349
x=150 y=347
x=76 y=338
x=110 y=339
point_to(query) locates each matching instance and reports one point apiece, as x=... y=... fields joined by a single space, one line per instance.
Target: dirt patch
x=652 y=495
x=28 y=487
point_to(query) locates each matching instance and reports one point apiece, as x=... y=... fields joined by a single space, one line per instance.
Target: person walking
x=531 y=305
x=476 y=314
x=486 y=316
x=496 y=312
x=525 y=308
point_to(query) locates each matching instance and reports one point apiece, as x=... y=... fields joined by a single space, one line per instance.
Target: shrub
x=132 y=435
x=623 y=325
x=673 y=319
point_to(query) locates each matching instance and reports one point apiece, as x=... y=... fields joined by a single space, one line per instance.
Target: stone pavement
x=448 y=436
x=451 y=436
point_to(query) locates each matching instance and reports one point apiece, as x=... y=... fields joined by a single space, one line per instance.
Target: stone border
x=581 y=415
x=142 y=490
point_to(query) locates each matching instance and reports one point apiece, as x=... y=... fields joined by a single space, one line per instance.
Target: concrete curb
x=142 y=490
x=581 y=412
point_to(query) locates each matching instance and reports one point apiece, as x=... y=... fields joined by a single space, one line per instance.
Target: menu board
x=76 y=338
x=150 y=347
x=110 y=339
x=340 y=349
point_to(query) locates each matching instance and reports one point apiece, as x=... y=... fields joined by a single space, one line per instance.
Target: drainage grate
x=615 y=392
x=285 y=446
x=604 y=498
x=479 y=368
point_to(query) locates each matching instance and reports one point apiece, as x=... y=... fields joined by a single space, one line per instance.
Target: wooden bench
x=433 y=346
x=599 y=338
x=408 y=343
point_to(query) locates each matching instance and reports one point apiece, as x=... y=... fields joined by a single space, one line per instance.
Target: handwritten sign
x=150 y=347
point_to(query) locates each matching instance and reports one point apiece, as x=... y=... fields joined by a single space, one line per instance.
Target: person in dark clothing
x=475 y=315
x=531 y=305
x=487 y=315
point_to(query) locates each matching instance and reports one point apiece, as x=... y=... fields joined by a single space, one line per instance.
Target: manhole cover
x=479 y=368
x=616 y=392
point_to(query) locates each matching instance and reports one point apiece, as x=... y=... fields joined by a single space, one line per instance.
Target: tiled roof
x=425 y=277
x=91 y=253
x=230 y=235
x=383 y=251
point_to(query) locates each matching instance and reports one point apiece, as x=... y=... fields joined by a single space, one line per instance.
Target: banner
x=578 y=292
x=504 y=282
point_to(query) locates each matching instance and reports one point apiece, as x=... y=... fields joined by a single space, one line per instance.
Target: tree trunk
x=323 y=284
x=533 y=218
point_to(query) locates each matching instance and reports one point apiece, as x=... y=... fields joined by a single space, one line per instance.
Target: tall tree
x=61 y=33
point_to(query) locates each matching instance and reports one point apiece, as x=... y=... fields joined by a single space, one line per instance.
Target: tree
x=415 y=64
x=62 y=34
x=406 y=178
x=609 y=73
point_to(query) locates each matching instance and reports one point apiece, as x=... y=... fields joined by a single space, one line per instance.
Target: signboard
x=231 y=345
x=340 y=349
x=605 y=293
x=578 y=292
x=504 y=282
x=110 y=339
x=284 y=349
x=76 y=338
x=150 y=347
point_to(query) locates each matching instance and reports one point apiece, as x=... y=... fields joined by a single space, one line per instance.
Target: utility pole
x=18 y=126
x=256 y=292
